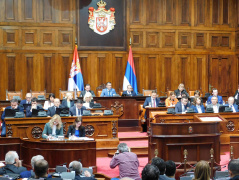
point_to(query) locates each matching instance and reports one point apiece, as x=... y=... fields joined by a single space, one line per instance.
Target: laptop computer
x=35 y=112
x=10 y=113
x=222 y=108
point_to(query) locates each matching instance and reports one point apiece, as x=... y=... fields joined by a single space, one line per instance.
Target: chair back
x=168 y=93
x=11 y=94
x=62 y=94
x=37 y=93
x=148 y=92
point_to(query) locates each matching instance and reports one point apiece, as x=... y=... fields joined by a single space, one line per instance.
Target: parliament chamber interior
x=119 y=89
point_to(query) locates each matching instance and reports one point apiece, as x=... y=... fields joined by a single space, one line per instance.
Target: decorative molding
x=36 y=132
x=117 y=108
x=9 y=130
x=89 y=130
x=114 y=129
x=230 y=126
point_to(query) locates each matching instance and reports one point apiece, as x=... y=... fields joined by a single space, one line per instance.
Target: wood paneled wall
x=195 y=42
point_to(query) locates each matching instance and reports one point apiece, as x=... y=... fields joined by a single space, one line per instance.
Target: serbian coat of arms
x=101 y=21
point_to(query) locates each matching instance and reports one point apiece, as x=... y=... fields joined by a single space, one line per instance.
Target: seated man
x=27 y=100
x=127 y=161
x=215 y=94
x=87 y=89
x=31 y=174
x=129 y=92
x=160 y=164
x=182 y=106
x=108 y=91
x=13 y=164
x=152 y=101
x=52 y=110
x=232 y=105
x=41 y=170
x=233 y=168
x=77 y=167
x=150 y=172
x=214 y=105
x=77 y=109
x=14 y=105
x=34 y=106
x=170 y=170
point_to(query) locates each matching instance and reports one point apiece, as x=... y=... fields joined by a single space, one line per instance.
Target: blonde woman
x=87 y=99
x=202 y=171
x=171 y=101
x=68 y=102
x=53 y=127
x=180 y=91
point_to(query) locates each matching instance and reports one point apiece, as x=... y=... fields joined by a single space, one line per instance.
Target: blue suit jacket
x=220 y=101
x=235 y=106
x=52 y=110
x=64 y=104
x=196 y=110
x=24 y=101
x=9 y=107
x=148 y=100
x=105 y=93
x=29 y=113
x=132 y=93
x=178 y=107
x=73 y=110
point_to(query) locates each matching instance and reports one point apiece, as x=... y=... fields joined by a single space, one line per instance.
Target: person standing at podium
x=232 y=105
x=108 y=91
x=214 y=104
x=197 y=105
x=53 y=128
x=182 y=106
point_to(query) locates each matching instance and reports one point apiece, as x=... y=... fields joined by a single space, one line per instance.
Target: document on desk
x=212 y=119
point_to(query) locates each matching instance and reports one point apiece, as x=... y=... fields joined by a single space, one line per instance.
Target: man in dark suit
x=52 y=110
x=13 y=164
x=27 y=100
x=182 y=106
x=152 y=101
x=215 y=94
x=77 y=110
x=77 y=167
x=87 y=89
x=34 y=106
x=14 y=105
x=129 y=92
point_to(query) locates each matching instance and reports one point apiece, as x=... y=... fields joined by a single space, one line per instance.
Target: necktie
x=183 y=108
x=108 y=93
x=79 y=112
x=154 y=103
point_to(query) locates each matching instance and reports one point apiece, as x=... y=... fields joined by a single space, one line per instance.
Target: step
x=140 y=151
x=133 y=138
x=129 y=129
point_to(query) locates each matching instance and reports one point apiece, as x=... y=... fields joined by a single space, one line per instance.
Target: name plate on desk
x=211 y=119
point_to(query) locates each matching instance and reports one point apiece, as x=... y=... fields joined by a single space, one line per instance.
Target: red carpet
x=103 y=164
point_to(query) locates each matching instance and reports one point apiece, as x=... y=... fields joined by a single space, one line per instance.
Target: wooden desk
x=170 y=139
x=234 y=142
x=229 y=128
x=51 y=150
x=104 y=129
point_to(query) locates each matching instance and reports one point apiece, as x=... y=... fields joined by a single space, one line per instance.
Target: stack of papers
x=212 y=119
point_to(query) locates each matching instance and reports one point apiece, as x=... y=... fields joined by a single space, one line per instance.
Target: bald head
x=231 y=100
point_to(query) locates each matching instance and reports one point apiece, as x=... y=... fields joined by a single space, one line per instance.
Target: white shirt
x=153 y=101
x=231 y=106
x=47 y=105
x=183 y=108
x=87 y=105
x=199 y=109
x=215 y=108
x=54 y=130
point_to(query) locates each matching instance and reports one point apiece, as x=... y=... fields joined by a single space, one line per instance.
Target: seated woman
x=68 y=103
x=171 y=100
x=50 y=101
x=181 y=90
x=76 y=129
x=202 y=171
x=53 y=128
x=87 y=99
x=197 y=105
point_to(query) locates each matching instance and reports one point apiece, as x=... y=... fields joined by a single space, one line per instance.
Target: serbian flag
x=75 y=78
x=130 y=76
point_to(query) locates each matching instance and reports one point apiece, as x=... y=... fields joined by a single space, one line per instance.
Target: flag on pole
x=130 y=76
x=75 y=78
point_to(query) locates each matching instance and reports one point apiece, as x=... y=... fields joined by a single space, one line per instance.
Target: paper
x=212 y=119
x=1 y=164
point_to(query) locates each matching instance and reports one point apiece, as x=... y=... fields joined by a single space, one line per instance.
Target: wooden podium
x=171 y=139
